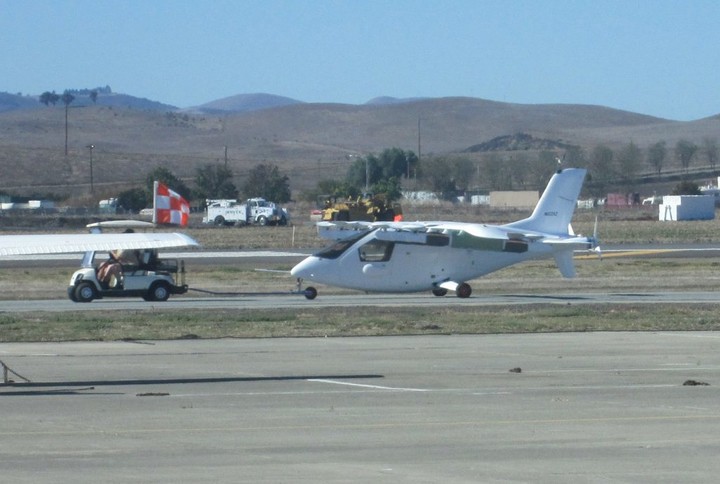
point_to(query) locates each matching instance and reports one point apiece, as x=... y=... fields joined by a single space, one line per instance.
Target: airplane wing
x=341 y=230
x=76 y=243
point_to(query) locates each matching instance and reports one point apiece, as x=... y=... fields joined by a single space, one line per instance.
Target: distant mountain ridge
x=237 y=104
x=243 y=103
x=14 y=102
x=383 y=100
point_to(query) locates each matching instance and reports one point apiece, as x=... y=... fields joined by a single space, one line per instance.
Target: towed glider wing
x=77 y=243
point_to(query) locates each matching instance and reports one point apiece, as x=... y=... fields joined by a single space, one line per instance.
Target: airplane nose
x=304 y=269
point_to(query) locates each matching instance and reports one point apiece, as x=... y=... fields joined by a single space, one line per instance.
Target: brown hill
x=308 y=141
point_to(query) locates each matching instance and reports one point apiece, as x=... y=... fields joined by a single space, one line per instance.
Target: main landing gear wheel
x=463 y=290
x=439 y=292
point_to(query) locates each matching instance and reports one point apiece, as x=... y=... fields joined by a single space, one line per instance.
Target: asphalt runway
x=555 y=408
x=286 y=300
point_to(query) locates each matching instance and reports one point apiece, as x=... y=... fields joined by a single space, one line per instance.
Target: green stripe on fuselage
x=463 y=240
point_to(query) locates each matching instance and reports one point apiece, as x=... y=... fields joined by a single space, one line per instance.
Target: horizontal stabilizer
x=574 y=243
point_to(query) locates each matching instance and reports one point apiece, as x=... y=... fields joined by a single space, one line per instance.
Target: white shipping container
x=687 y=207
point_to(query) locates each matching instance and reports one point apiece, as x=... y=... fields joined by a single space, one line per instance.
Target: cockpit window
x=339 y=247
x=376 y=251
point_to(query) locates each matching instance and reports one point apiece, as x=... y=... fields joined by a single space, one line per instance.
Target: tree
x=710 y=147
x=265 y=180
x=438 y=174
x=628 y=162
x=392 y=162
x=574 y=157
x=656 y=155
x=390 y=188
x=686 y=188
x=93 y=96
x=365 y=171
x=48 y=98
x=398 y=163
x=685 y=151
x=462 y=170
x=166 y=177
x=602 y=170
x=541 y=171
x=214 y=181
x=497 y=173
x=67 y=98
x=134 y=199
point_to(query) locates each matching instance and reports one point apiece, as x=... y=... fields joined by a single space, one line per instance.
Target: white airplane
x=443 y=256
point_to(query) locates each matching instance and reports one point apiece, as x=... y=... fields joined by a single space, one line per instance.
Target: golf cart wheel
x=84 y=292
x=159 y=291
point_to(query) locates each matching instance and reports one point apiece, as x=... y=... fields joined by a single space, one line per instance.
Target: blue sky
x=656 y=57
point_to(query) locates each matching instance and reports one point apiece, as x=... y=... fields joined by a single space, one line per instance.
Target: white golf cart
x=150 y=278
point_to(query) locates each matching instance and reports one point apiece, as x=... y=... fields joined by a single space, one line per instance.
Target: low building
x=514 y=199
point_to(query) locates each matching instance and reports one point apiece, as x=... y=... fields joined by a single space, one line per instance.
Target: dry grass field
x=308 y=142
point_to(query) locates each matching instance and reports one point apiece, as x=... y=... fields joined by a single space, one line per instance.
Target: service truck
x=253 y=211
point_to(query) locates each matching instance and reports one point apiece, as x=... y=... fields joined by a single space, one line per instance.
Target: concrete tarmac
x=560 y=408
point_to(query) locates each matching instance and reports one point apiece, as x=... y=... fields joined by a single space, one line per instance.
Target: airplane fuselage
x=397 y=261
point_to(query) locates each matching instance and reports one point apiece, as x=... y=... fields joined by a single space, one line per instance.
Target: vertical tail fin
x=555 y=209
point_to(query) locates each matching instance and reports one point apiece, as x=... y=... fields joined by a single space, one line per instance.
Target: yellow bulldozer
x=371 y=208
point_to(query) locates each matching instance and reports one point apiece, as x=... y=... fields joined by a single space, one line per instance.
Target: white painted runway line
x=375 y=387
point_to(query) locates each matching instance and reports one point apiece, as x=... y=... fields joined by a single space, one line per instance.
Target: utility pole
x=66 y=129
x=418 y=161
x=92 y=187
